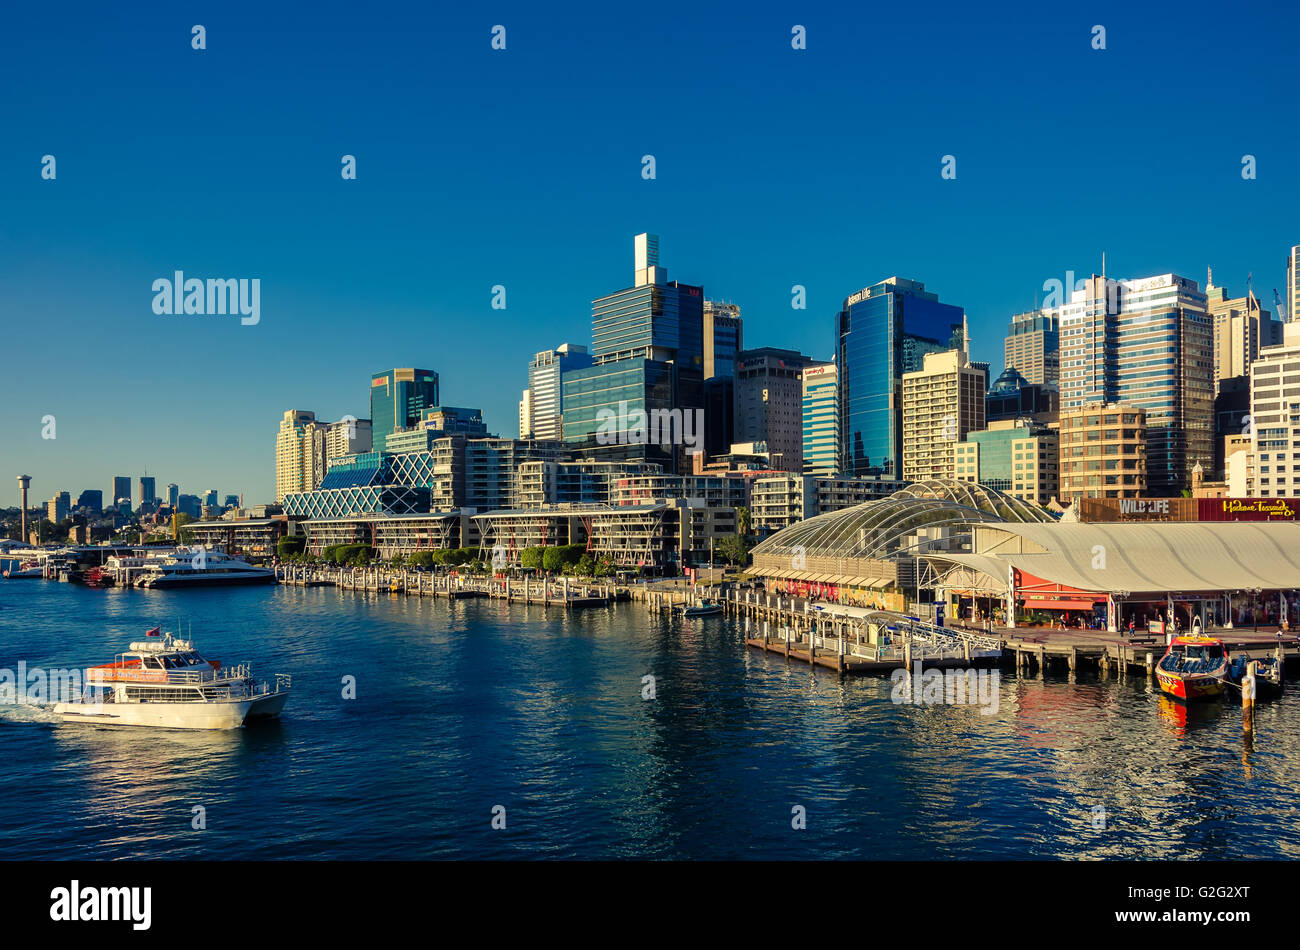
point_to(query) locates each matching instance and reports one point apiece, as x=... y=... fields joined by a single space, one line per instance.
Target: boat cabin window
x=152 y=663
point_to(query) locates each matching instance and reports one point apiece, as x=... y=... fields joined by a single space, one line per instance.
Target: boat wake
x=31 y=713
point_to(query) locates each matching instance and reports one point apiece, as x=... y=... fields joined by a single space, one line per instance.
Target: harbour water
x=464 y=706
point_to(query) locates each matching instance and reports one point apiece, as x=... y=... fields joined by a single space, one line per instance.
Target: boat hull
x=230 y=714
x=1189 y=688
x=165 y=583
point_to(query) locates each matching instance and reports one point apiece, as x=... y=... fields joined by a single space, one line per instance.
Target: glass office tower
x=398 y=399
x=884 y=331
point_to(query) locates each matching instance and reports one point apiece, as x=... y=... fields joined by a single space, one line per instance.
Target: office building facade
x=821 y=420
x=1033 y=347
x=398 y=399
x=1148 y=344
x=723 y=338
x=769 y=403
x=884 y=331
x=545 y=392
x=1019 y=458
x=122 y=489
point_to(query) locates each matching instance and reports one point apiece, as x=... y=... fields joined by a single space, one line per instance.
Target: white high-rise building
x=942 y=402
x=526 y=415
x=545 y=393
x=1271 y=469
x=1291 y=298
x=299 y=453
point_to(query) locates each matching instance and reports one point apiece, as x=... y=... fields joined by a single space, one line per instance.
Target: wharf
x=561 y=593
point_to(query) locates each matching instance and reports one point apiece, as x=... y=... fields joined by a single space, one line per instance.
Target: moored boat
x=1269 y=676
x=166 y=684
x=705 y=608
x=1193 y=667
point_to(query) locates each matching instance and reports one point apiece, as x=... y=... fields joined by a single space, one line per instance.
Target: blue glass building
x=884 y=331
x=398 y=399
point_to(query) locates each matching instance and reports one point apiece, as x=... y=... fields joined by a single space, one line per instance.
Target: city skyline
x=361 y=275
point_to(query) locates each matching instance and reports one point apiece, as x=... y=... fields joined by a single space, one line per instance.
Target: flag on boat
x=155 y=632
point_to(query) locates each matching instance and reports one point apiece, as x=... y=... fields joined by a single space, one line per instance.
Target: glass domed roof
x=880 y=529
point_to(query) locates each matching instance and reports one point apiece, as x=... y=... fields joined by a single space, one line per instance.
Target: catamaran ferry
x=166 y=684
x=199 y=567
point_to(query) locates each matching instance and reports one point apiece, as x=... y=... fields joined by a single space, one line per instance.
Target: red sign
x=1247 y=509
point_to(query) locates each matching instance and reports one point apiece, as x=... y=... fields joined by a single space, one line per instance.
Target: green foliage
x=734 y=549
x=744 y=521
x=557 y=557
x=288 y=547
x=422 y=559
x=354 y=555
x=531 y=558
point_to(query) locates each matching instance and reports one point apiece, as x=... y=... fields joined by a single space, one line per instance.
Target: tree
x=287 y=547
x=531 y=558
x=744 y=521
x=734 y=549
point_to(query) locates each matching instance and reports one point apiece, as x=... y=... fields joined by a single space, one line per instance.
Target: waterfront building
x=122 y=489
x=148 y=490
x=58 y=507
x=723 y=338
x=1013 y=397
x=942 y=402
x=249 y=537
x=1017 y=457
x=1148 y=344
x=769 y=403
x=1103 y=452
x=545 y=392
x=663 y=537
x=393 y=535
x=541 y=483
x=780 y=500
x=884 y=331
x=1033 y=347
x=1241 y=327
x=91 y=499
x=821 y=420
x=710 y=491
x=605 y=403
x=877 y=554
x=398 y=398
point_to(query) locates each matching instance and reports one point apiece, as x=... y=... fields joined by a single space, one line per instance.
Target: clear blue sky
x=522 y=168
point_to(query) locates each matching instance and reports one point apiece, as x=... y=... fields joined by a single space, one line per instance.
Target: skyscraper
x=1240 y=328
x=1147 y=344
x=91 y=499
x=1275 y=427
x=398 y=397
x=546 y=389
x=821 y=420
x=148 y=493
x=122 y=489
x=299 y=453
x=173 y=495
x=526 y=414
x=723 y=338
x=884 y=331
x=57 y=508
x=648 y=356
x=1033 y=347
x=769 y=403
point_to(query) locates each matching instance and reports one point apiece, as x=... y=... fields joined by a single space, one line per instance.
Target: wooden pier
x=380 y=580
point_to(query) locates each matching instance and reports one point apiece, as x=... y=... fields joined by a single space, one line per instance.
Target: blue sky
x=523 y=168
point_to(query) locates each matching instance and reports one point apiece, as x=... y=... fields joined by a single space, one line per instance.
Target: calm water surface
x=462 y=707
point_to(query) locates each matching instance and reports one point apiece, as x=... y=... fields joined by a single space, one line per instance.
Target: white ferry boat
x=166 y=684
x=199 y=567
